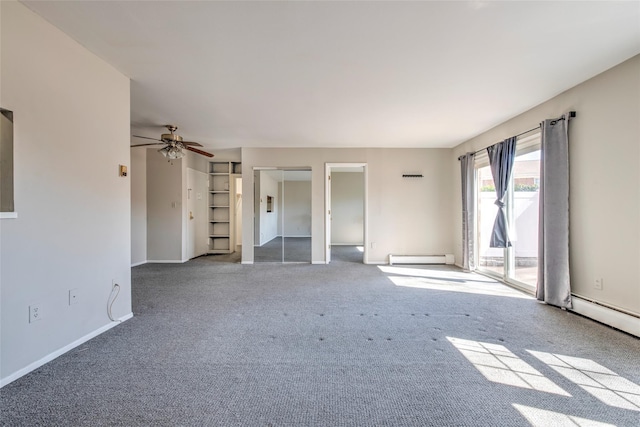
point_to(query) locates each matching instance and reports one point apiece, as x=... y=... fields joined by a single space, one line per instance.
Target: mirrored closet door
x=282 y=215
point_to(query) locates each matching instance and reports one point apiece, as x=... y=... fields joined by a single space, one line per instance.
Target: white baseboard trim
x=247 y=262
x=49 y=357
x=319 y=262
x=135 y=264
x=166 y=261
x=624 y=322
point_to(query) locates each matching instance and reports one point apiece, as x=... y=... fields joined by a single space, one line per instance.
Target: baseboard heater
x=421 y=259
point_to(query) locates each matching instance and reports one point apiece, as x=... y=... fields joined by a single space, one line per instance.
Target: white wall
x=604 y=157
x=165 y=209
x=297 y=208
x=347 y=208
x=195 y=161
x=73 y=229
x=406 y=216
x=138 y=177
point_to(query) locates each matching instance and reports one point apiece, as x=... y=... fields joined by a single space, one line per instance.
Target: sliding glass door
x=518 y=263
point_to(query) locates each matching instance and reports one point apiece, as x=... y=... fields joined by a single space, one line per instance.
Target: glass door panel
x=267 y=216
x=296 y=215
x=489 y=259
x=524 y=217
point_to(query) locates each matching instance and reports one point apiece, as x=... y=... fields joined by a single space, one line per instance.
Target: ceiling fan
x=174 y=145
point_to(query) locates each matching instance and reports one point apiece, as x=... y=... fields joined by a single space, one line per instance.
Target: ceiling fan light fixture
x=172 y=152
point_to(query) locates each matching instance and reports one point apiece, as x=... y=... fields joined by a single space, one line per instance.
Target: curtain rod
x=553 y=122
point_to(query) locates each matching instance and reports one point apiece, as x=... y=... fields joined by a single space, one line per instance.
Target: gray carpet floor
x=345 y=344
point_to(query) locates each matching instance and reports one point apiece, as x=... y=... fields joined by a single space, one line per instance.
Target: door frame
x=328 y=167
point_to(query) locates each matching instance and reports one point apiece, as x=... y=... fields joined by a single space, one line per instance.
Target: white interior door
x=197 y=236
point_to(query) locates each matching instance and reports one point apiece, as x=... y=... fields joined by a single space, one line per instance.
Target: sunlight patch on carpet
x=543 y=418
x=449 y=281
x=500 y=365
x=602 y=383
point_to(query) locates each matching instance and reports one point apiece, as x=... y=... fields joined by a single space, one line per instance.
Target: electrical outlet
x=598 y=283
x=373 y=245
x=73 y=296
x=35 y=313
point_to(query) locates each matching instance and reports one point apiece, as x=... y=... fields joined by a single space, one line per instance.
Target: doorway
x=282 y=215
x=346 y=219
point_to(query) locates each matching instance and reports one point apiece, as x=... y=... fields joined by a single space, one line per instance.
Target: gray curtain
x=467 y=168
x=553 y=227
x=501 y=157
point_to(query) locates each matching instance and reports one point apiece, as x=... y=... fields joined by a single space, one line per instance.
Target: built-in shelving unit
x=221 y=206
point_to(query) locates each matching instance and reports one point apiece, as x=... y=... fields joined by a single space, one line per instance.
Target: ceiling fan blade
x=193 y=144
x=152 y=143
x=146 y=137
x=195 y=150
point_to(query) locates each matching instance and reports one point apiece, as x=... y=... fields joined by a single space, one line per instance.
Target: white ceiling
x=345 y=74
